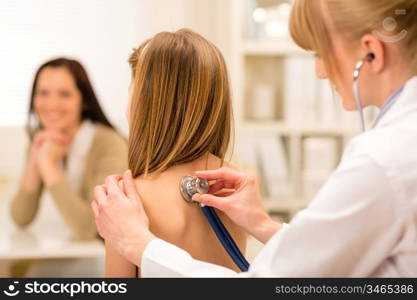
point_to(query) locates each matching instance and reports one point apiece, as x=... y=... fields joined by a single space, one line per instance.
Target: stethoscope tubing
x=225 y=238
x=228 y=236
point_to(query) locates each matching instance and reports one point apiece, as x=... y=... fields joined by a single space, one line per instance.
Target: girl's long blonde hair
x=181 y=104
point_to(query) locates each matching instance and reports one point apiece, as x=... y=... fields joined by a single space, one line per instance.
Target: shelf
x=272 y=48
x=291 y=129
x=289 y=72
x=266 y=127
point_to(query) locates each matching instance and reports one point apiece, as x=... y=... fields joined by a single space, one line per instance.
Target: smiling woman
x=72 y=147
x=57 y=99
x=62 y=96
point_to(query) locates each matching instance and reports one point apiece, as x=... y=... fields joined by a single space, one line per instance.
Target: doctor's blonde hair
x=353 y=19
x=181 y=102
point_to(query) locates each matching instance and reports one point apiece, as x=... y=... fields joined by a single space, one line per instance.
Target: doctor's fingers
x=229 y=176
x=218 y=202
x=225 y=194
x=94 y=207
x=100 y=229
x=219 y=185
x=129 y=186
x=100 y=193
x=114 y=192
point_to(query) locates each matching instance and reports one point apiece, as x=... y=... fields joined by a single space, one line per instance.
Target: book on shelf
x=320 y=153
x=312 y=182
x=308 y=100
x=266 y=154
x=263 y=102
x=246 y=154
x=300 y=90
x=274 y=163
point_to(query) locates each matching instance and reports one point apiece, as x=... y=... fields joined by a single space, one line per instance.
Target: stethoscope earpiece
x=370 y=56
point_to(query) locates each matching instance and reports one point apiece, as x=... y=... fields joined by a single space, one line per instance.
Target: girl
x=180 y=119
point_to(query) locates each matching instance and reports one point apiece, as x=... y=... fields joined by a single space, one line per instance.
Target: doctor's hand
x=120 y=217
x=242 y=203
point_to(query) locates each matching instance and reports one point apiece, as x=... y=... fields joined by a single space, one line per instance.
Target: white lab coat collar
x=77 y=154
x=404 y=104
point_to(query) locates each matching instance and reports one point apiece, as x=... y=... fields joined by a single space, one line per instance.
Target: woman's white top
x=77 y=154
x=363 y=222
x=74 y=171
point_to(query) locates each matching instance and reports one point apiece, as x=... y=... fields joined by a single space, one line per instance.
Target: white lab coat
x=363 y=222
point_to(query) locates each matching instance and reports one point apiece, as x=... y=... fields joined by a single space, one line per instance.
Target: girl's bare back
x=181 y=223
x=177 y=221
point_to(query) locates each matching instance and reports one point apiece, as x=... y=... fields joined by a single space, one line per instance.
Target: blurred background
x=290 y=129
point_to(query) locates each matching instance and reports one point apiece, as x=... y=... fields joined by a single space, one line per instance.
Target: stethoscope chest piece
x=190 y=186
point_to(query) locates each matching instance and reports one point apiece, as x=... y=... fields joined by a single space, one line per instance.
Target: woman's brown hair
x=91 y=108
x=181 y=104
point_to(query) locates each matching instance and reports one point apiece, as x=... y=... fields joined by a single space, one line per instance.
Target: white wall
x=99 y=33
x=211 y=18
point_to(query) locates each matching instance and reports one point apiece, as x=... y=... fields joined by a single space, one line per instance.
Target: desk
x=46 y=244
x=46 y=238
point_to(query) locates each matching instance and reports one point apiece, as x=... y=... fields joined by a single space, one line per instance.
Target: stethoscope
x=387 y=105
x=190 y=186
x=369 y=57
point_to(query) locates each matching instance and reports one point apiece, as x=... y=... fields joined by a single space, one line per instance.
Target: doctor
x=363 y=222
